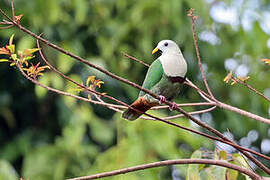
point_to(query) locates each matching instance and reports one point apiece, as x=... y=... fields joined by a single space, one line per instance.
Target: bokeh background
x=47 y=136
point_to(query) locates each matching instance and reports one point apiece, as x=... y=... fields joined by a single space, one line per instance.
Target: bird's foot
x=162 y=99
x=173 y=107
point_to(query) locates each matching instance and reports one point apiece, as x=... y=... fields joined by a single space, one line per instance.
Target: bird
x=164 y=78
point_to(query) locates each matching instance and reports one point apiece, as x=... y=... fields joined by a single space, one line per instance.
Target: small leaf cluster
x=91 y=83
x=267 y=61
x=22 y=58
x=231 y=78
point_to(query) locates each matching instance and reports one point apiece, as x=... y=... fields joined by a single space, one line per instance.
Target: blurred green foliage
x=47 y=136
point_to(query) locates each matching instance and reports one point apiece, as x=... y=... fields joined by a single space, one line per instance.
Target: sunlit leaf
x=11 y=48
x=35 y=70
x=231 y=174
x=14 y=57
x=238 y=159
x=11 y=39
x=223 y=155
x=18 y=18
x=243 y=78
x=90 y=79
x=4 y=51
x=75 y=89
x=29 y=52
x=228 y=77
x=267 y=61
x=233 y=82
x=4 y=60
x=99 y=83
x=193 y=172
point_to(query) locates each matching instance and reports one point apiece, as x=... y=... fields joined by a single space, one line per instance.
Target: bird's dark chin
x=158 y=53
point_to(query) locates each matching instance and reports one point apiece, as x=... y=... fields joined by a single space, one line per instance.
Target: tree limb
x=222 y=163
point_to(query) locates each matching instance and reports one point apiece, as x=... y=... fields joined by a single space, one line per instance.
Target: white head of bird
x=172 y=60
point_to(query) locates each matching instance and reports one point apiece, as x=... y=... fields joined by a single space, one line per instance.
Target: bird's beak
x=155 y=50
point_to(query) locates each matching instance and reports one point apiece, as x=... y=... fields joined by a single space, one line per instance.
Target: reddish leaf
x=4 y=51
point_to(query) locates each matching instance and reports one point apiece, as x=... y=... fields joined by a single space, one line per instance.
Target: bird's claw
x=173 y=107
x=162 y=99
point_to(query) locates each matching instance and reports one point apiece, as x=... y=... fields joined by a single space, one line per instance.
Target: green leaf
x=223 y=155
x=14 y=57
x=193 y=172
x=90 y=79
x=213 y=173
x=29 y=52
x=11 y=39
x=4 y=60
x=28 y=58
x=238 y=159
x=11 y=48
x=218 y=172
x=231 y=174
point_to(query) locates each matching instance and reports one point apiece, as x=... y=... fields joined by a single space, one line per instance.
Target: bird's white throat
x=174 y=64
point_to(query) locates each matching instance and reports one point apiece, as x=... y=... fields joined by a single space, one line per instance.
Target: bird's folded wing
x=153 y=76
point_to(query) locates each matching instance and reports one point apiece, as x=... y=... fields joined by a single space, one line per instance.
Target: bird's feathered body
x=164 y=78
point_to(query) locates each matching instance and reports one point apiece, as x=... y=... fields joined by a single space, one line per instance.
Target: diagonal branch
x=221 y=163
x=109 y=105
x=135 y=59
x=251 y=88
x=229 y=107
x=181 y=115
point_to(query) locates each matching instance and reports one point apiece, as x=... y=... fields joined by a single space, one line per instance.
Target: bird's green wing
x=153 y=76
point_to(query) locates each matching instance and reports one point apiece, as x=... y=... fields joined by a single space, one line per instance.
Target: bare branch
x=221 y=163
x=184 y=105
x=6 y=27
x=135 y=59
x=251 y=88
x=231 y=108
x=12 y=9
x=193 y=18
x=181 y=115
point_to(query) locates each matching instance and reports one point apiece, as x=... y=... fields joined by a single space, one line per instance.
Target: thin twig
x=6 y=27
x=221 y=163
x=232 y=108
x=12 y=9
x=135 y=59
x=181 y=115
x=184 y=105
x=193 y=18
x=251 y=88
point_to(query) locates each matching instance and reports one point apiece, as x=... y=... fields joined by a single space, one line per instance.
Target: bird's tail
x=141 y=105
